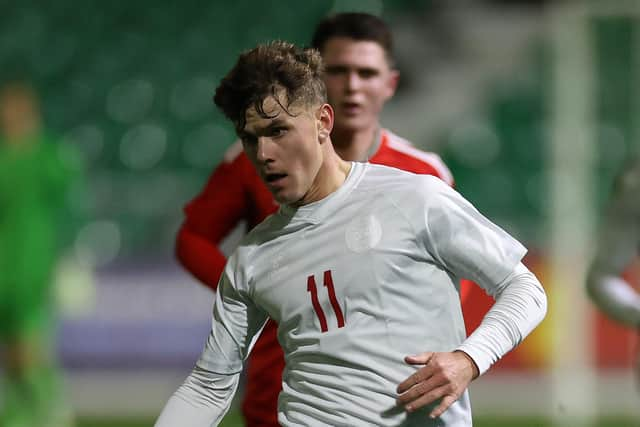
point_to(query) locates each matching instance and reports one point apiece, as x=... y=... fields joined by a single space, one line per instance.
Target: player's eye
x=278 y=131
x=335 y=70
x=367 y=73
x=248 y=139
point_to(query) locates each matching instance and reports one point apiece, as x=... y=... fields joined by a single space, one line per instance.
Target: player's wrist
x=474 y=367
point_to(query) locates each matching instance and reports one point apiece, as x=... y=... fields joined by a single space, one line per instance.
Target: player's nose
x=264 y=149
x=352 y=81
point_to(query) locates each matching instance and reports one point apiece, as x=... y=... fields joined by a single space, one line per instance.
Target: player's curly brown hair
x=265 y=71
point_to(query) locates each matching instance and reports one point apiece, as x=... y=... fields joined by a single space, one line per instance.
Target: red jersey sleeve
x=211 y=216
x=199 y=256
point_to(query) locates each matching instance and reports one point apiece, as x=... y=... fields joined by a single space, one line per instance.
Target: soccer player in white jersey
x=359 y=268
x=617 y=246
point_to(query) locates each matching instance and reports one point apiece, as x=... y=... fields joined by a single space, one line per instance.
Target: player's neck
x=332 y=174
x=355 y=145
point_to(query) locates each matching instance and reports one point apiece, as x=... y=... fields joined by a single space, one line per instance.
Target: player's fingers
x=417 y=377
x=420 y=389
x=443 y=406
x=419 y=359
x=427 y=398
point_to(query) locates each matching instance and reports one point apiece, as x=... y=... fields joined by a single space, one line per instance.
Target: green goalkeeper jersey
x=36 y=177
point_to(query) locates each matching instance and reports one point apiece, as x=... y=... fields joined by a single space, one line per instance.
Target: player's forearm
x=615 y=297
x=520 y=306
x=200 y=257
x=201 y=401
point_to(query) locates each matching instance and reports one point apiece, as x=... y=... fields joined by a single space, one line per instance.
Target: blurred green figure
x=37 y=174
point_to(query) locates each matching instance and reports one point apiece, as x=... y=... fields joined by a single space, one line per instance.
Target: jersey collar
x=316 y=212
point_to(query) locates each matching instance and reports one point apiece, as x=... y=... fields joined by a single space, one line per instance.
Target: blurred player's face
x=18 y=115
x=359 y=81
x=286 y=149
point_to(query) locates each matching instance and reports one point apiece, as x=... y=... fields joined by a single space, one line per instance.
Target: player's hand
x=443 y=376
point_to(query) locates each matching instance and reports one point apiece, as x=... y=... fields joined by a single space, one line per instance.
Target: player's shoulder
x=265 y=231
x=393 y=180
x=401 y=153
x=407 y=193
x=261 y=241
x=252 y=241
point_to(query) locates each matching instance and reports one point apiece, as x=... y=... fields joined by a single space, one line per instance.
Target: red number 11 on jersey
x=328 y=283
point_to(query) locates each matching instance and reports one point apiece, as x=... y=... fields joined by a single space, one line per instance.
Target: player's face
x=359 y=81
x=286 y=149
x=18 y=115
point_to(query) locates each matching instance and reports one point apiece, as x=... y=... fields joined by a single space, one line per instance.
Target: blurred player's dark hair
x=356 y=26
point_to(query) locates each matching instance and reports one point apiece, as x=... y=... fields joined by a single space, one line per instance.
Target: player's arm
x=202 y=400
x=209 y=218
x=206 y=395
x=612 y=293
x=521 y=304
x=198 y=255
x=614 y=296
x=618 y=244
x=519 y=308
x=466 y=243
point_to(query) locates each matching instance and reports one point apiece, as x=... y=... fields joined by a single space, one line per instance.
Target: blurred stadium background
x=533 y=104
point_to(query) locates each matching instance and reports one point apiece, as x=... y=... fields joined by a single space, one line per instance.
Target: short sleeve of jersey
x=236 y=324
x=465 y=242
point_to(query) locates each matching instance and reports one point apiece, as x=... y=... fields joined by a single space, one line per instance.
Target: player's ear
x=324 y=120
x=392 y=83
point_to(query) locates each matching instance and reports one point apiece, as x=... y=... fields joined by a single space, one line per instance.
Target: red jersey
x=235 y=193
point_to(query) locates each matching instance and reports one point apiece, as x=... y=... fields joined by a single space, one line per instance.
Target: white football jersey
x=356 y=282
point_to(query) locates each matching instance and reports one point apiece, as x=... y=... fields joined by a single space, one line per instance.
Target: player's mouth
x=350 y=108
x=275 y=179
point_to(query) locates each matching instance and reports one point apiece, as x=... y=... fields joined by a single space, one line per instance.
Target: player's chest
x=323 y=272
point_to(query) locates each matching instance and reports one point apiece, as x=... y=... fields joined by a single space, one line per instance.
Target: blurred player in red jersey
x=360 y=77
